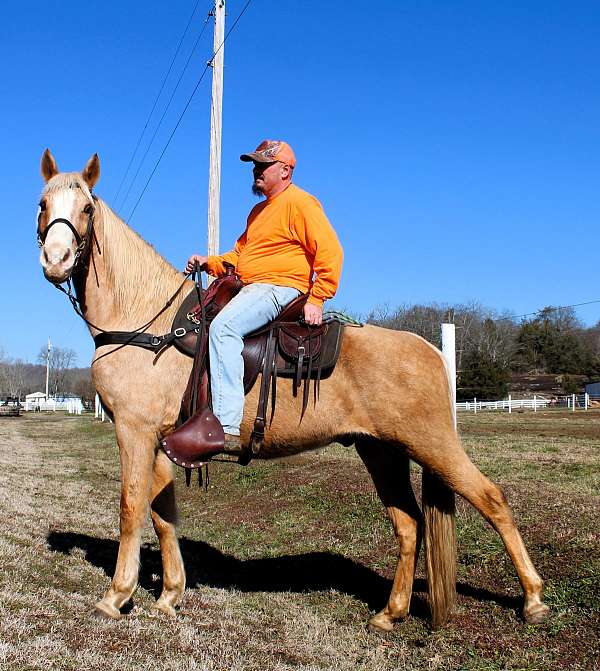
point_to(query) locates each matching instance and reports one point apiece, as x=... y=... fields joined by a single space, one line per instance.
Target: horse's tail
x=440 y=546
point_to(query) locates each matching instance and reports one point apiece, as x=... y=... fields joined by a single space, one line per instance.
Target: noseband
x=83 y=243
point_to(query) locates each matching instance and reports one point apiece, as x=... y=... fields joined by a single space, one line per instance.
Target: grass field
x=286 y=560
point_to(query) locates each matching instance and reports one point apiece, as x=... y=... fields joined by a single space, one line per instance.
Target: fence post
x=509 y=404
x=449 y=352
x=573 y=401
x=586 y=400
x=475 y=405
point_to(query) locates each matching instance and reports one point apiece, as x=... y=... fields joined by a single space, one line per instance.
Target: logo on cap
x=269 y=151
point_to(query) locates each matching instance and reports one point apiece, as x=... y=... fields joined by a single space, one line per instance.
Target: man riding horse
x=288 y=248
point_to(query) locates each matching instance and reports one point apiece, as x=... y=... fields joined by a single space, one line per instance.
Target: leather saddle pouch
x=293 y=337
x=195 y=441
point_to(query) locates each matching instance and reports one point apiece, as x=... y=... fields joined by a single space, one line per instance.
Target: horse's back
x=380 y=346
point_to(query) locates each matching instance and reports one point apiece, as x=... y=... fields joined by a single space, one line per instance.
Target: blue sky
x=454 y=146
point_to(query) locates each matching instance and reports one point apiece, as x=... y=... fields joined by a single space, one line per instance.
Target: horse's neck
x=127 y=281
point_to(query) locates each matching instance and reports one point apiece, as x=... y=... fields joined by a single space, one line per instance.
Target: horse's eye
x=88 y=209
x=42 y=205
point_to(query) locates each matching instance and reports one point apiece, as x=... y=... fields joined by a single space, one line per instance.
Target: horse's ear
x=49 y=167
x=91 y=172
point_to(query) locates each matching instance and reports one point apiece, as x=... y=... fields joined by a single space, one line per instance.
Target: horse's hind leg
x=164 y=519
x=389 y=469
x=453 y=466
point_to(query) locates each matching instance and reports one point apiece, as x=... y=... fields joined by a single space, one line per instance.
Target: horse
x=389 y=396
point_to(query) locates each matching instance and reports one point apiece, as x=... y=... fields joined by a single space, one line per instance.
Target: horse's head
x=65 y=217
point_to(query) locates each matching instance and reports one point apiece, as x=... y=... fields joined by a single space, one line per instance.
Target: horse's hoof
x=165 y=608
x=105 y=611
x=380 y=623
x=536 y=614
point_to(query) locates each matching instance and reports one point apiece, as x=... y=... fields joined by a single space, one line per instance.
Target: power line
x=164 y=81
x=553 y=309
x=185 y=67
x=512 y=318
x=209 y=64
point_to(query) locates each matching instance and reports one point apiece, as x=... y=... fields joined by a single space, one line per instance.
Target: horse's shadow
x=308 y=572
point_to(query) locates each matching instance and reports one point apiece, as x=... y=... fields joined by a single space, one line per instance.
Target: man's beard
x=257 y=191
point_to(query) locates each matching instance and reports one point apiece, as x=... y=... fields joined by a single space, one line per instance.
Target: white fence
x=73 y=406
x=99 y=411
x=571 y=402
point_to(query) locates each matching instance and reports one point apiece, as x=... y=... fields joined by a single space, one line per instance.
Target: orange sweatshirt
x=287 y=240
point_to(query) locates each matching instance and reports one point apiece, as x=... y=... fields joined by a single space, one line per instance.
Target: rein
x=136 y=337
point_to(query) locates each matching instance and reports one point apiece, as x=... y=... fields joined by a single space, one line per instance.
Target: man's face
x=268 y=177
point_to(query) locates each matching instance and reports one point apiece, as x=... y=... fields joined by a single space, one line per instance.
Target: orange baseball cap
x=269 y=151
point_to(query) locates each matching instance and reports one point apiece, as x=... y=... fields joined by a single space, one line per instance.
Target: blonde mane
x=140 y=277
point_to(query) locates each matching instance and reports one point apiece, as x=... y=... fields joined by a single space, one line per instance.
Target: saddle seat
x=323 y=341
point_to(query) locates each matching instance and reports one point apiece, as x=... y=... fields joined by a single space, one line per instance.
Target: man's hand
x=191 y=262
x=313 y=314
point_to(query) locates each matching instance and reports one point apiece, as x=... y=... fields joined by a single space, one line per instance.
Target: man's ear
x=91 y=172
x=48 y=166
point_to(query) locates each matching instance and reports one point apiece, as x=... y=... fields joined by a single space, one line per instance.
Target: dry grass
x=286 y=560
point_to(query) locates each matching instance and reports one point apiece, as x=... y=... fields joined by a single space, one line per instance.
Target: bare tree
x=4 y=362
x=424 y=320
x=81 y=384
x=62 y=360
x=15 y=378
x=478 y=329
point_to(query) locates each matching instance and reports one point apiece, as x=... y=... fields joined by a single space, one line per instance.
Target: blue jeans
x=254 y=306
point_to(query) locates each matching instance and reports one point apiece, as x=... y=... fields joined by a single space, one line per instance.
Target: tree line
x=492 y=346
x=19 y=378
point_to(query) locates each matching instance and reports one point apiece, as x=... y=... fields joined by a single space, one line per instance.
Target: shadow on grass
x=308 y=572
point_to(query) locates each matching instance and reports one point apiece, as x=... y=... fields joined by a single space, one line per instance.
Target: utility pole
x=48 y=367
x=216 y=106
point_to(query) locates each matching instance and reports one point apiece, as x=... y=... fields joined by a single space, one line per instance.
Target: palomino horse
x=389 y=396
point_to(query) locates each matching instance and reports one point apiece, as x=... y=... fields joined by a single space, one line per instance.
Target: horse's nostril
x=46 y=257
x=66 y=255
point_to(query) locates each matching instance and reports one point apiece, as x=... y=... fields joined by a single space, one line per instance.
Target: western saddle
x=285 y=347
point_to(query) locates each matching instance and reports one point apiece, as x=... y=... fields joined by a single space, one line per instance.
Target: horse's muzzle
x=57 y=263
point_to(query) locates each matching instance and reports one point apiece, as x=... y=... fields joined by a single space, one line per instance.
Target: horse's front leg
x=137 y=450
x=164 y=519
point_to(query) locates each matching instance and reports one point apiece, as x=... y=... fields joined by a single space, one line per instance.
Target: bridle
x=83 y=242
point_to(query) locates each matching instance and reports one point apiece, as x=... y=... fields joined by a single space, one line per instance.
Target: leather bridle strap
x=59 y=220
x=155 y=343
